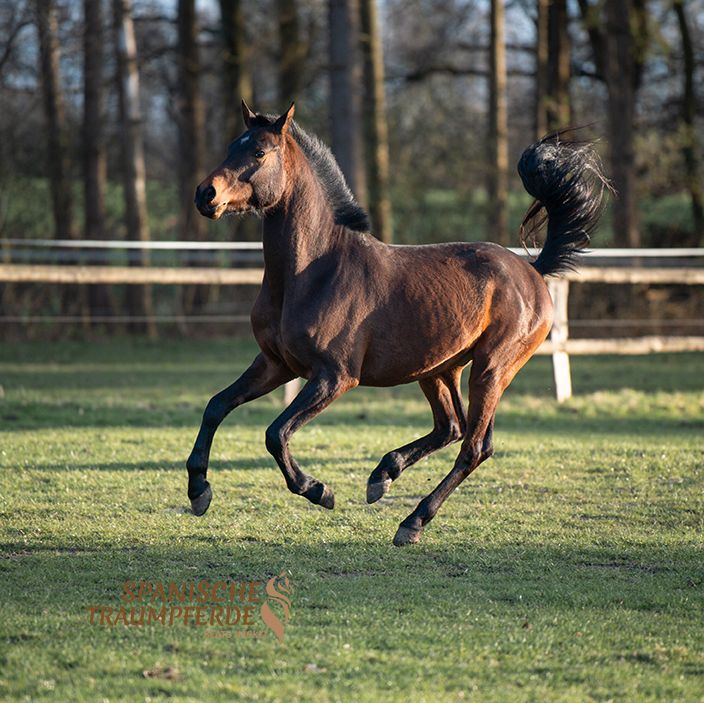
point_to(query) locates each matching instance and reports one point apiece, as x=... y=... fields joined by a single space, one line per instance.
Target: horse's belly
x=406 y=361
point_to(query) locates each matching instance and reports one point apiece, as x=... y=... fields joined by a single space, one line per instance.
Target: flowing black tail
x=566 y=179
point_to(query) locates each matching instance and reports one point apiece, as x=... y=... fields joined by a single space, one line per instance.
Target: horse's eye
x=259 y=153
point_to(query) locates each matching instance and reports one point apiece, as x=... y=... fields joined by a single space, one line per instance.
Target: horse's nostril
x=209 y=194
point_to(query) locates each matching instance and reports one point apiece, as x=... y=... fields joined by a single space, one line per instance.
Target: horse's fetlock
x=197 y=485
x=391 y=465
x=194 y=468
x=314 y=491
x=416 y=520
x=196 y=465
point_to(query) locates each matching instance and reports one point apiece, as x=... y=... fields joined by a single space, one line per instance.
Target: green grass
x=570 y=567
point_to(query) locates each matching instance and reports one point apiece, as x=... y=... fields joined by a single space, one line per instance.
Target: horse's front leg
x=263 y=376
x=314 y=397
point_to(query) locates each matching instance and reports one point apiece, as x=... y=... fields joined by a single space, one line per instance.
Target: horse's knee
x=213 y=413
x=274 y=440
x=471 y=455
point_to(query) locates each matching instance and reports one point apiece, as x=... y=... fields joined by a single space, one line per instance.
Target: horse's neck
x=297 y=231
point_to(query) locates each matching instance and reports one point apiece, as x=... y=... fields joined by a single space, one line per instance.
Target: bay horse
x=340 y=308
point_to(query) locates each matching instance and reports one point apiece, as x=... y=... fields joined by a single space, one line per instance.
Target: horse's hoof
x=327 y=500
x=201 y=504
x=377 y=490
x=407 y=535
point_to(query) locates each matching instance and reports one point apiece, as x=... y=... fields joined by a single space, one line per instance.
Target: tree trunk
x=94 y=154
x=139 y=297
x=689 y=145
x=191 y=125
x=47 y=28
x=553 y=69
x=620 y=71
x=238 y=80
x=541 y=68
x=237 y=86
x=559 y=63
x=292 y=53
x=345 y=93
x=377 y=138
x=73 y=298
x=498 y=129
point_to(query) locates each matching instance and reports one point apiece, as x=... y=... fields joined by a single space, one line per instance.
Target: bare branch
x=10 y=43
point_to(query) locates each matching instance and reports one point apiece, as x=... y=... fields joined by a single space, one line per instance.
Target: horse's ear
x=284 y=122
x=247 y=114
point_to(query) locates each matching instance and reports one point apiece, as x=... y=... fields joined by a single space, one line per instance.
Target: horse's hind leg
x=263 y=376
x=489 y=377
x=314 y=397
x=449 y=425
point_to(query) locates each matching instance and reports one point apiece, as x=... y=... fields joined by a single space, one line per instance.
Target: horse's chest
x=284 y=335
x=266 y=323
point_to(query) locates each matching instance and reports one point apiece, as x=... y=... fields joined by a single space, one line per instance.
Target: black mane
x=347 y=210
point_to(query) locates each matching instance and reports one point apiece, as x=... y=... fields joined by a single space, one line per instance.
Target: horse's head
x=252 y=176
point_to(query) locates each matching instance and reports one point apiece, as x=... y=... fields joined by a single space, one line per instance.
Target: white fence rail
x=559 y=345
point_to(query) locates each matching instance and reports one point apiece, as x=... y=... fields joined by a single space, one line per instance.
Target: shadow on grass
x=354 y=576
x=239 y=464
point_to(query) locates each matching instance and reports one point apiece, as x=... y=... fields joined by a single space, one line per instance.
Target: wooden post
x=291 y=391
x=559 y=290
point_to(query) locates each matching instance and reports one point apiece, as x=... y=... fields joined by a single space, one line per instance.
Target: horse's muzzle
x=204 y=200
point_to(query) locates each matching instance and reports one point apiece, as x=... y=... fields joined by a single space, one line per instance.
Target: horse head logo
x=278 y=590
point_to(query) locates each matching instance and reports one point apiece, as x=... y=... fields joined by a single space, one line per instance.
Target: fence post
x=559 y=290
x=291 y=391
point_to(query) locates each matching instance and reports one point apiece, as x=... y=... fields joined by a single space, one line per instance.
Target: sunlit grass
x=569 y=567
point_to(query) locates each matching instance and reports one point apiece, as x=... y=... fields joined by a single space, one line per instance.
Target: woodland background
x=113 y=110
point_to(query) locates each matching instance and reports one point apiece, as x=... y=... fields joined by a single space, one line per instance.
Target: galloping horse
x=340 y=308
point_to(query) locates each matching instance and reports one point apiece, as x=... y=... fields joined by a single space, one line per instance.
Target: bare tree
x=292 y=52
x=497 y=185
x=191 y=126
x=345 y=93
x=541 y=67
x=57 y=157
x=190 y=119
x=237 y=85
x=94 y=154
x=618 y=34
x=18 y=18
x=689 y=137
x=553 y=70
x=620 y=71
x=376 y=129
x=238 y=79
x=134 y=178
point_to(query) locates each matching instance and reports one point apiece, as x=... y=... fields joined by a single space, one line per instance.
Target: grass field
x=570 y=567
